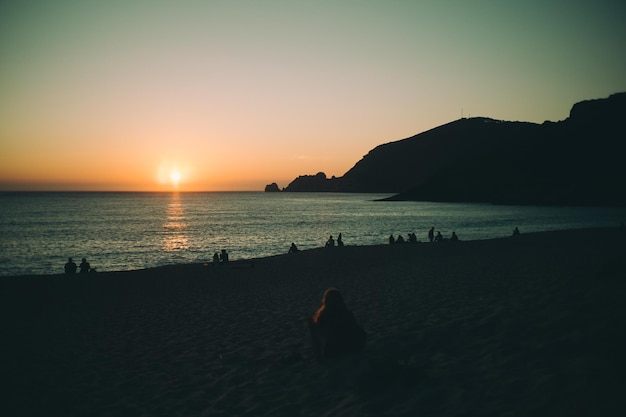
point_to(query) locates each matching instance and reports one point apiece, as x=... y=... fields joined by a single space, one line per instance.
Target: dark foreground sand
x=525 y=326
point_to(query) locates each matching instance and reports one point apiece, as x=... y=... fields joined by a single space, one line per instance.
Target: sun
x=175 y=177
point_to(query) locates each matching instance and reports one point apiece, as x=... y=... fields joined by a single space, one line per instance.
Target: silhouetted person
x=412 y=238
x=84 y=266
x=330 y=242
x=431 y=234
x=334 y=330
x=293 y=248
x=400 y=239
x=454 y=237
x=339 y=240
x=516 y=232
x=439 y=237
x=391 y=240
x=216 y=258
x=70 y=266
x=224 y=256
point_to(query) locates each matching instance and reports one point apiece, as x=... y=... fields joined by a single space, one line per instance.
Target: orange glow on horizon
x=153 y=162
x=147 y=170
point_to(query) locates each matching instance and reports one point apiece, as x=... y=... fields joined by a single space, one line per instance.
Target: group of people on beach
x=220 y=258
x=412 y=238
x=439 y=237
x=331 y=242
x=70 y=267
x=432 y=237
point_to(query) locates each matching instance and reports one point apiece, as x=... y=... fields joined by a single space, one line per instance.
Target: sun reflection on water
x=174 y=236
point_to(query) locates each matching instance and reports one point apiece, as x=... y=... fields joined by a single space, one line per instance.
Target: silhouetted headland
x=578 y=161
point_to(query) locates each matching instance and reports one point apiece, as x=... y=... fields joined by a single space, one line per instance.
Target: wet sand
x=526 y=325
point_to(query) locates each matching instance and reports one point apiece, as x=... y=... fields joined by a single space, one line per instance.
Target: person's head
x=333 y=300
x=84 y=260
x=69 y=259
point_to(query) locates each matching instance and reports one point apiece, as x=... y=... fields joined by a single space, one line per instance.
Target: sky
x=233 y=95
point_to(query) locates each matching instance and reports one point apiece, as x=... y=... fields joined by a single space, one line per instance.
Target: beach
x=515 y=326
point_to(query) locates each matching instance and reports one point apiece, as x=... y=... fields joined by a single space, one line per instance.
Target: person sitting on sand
x=412 y=237
x=439 y=237
x=454 y=237
x=516 y=231
x=70 y=266
x=293 y=248
x=400 y=239
x=224 y=256
x=84 y=266
x=330 y=242
x=216 y=258
x=333 y=328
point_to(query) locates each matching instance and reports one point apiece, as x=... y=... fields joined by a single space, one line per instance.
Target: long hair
x=332 y=303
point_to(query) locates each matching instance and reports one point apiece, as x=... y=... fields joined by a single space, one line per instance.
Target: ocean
x=124 y=231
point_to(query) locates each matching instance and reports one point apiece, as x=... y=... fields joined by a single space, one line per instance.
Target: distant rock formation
x=272 y=188
x=311 y=183
x=576 y=161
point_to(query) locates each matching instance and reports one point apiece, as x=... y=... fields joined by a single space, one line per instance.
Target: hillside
x=575 y=161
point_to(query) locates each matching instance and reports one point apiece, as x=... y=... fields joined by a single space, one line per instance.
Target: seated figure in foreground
x=334 y=330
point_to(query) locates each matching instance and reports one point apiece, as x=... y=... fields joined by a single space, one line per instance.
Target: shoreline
x=241 y=263
x=525 y=325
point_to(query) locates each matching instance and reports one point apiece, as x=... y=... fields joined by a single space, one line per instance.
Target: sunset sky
x=233 y=95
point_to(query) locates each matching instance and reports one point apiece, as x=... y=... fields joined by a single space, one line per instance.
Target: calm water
x=121 y=231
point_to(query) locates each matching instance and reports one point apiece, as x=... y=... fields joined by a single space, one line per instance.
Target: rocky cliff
x=575 y=161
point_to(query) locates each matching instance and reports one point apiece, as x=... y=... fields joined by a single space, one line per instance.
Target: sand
x=518 y=326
